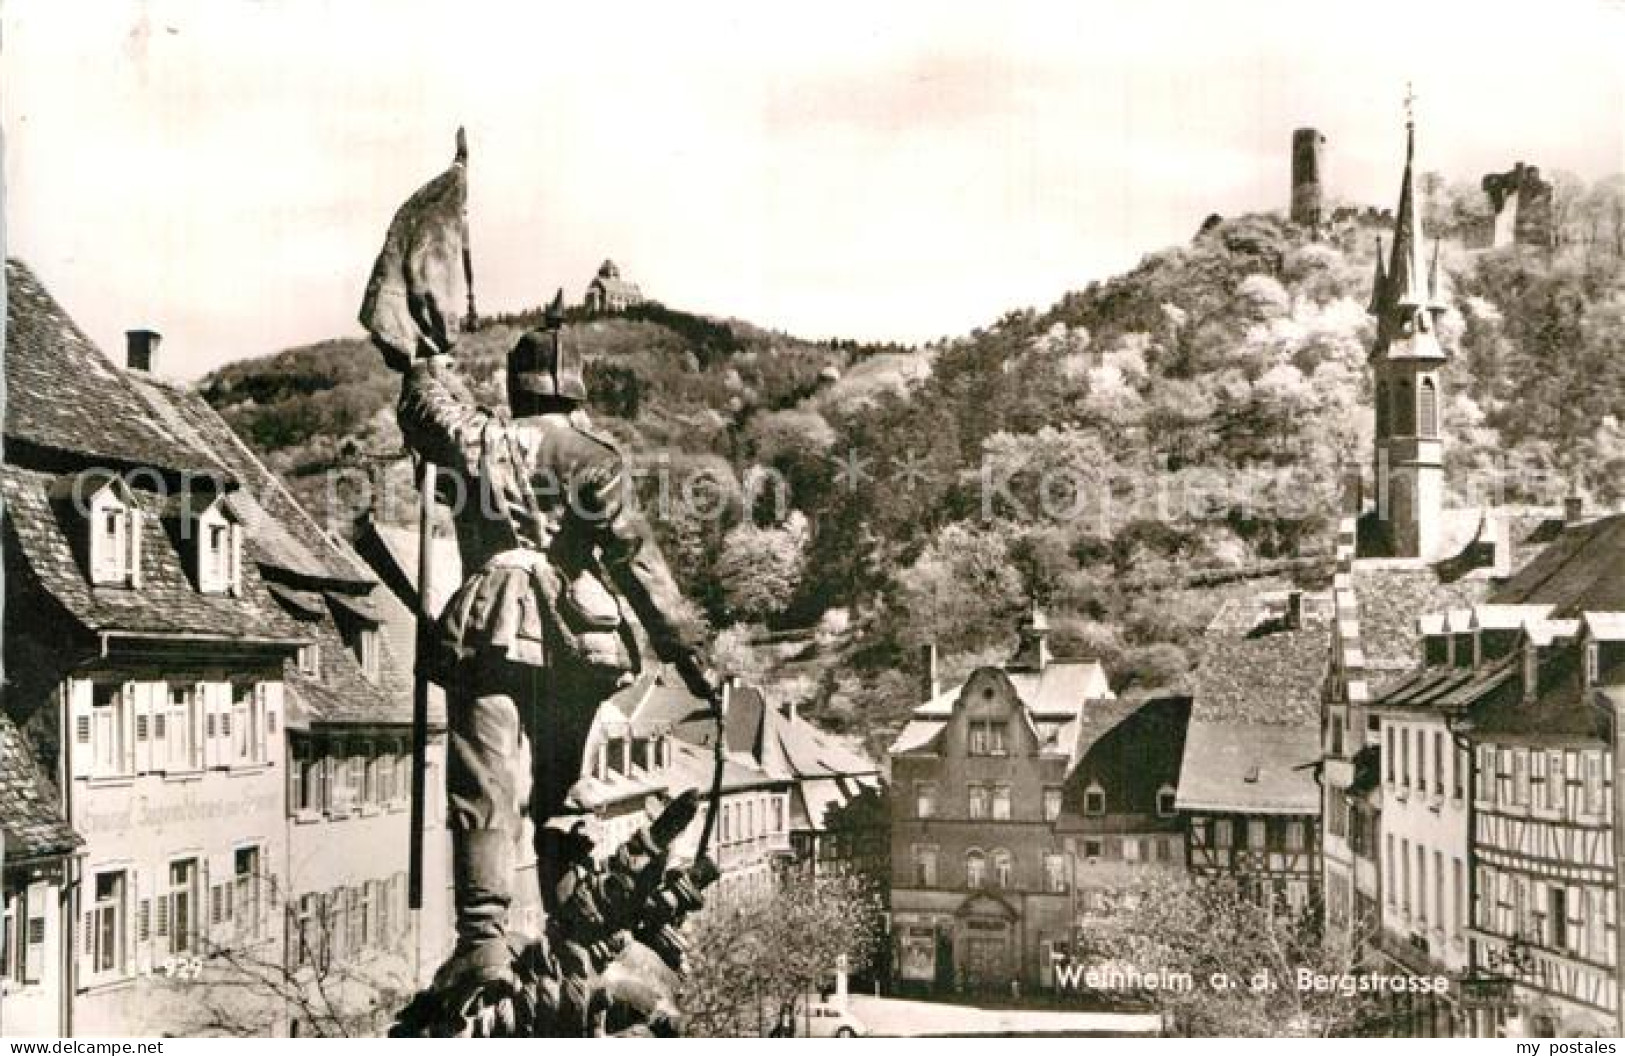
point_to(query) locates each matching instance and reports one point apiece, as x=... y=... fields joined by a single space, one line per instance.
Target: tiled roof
x=1260 y=678
x=1058 y=691
x=166 y=602
x=1250 y=768
x=1582 y=569
x=1449 y=689
x=1391 y=598
x=1061 y=688
x=779 y=739
x=917 y=735
x=392 y=552
x=31 y=820
x=343 y=694
x=812 y=753
x=1560 y=711
x=1104 y=716
x=64 y=395
x=280 y=531
x=1255 y=711
x=1053 y=700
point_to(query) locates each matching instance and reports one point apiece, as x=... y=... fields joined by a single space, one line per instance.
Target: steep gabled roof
x=1448 y=689
x=1559 y=712
x=282 y=533
x=31 y=821
x=1389 y=598
x=42 y=540
x=64 y=395
x=1582 y=569
x=1052 y=700
x=1255 y=712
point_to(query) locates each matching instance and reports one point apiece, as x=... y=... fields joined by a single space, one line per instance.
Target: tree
x=1244 y=957
x=758 y=954
x=314 y=983
x=760 y=568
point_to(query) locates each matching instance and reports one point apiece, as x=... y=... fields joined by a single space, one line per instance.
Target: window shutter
x=138 y=919
x=126 y=717
x=80 y=753
x=32 y=926
x=208 y=728
x=87 y=945
x=270 y=694
x=145 y=733
x=222 y=723
x=160 y=922
x=200 y=920
x=234 y=566
x=133 y=527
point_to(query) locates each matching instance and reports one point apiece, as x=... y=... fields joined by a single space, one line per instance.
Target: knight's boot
x=482 y=865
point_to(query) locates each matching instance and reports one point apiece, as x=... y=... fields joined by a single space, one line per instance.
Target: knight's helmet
x=541 y=364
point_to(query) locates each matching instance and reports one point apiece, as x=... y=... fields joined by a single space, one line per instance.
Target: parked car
x=830 y=1021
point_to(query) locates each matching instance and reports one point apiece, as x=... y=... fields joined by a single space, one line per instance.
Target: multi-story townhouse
x=182 y=613
x=1118 y=817
x=1425 y=787
x=1545 y=878
x=37 y=850
x=981 y=878
x=146 y=655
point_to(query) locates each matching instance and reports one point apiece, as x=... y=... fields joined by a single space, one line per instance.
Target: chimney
x=928 y=666
x=1294 y=610
x=1574 y=508
x=1032 y=654
x=140 y=348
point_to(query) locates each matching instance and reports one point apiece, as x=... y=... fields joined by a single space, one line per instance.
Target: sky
x=224 y=171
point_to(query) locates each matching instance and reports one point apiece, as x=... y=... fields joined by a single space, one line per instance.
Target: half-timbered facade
x=1425 y=852
x=1543 y=842
x=1545 y=896
x=1247 y=784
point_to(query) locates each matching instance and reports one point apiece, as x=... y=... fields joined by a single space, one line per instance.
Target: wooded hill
x=1195 y=412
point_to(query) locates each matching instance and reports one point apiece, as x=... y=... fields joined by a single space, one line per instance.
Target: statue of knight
x=527 y=649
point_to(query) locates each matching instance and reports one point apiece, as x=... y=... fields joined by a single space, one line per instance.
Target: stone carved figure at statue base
x=609 y=963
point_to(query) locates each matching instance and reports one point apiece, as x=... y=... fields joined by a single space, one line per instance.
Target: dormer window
x=358 y=625
x=1094 y=801
x=215 y=537
x=1591 y=663
x=1531 y=671
x=310 y=660
x=366 y=651
x=112 y=525
x=217 y=563
x=1166 y=799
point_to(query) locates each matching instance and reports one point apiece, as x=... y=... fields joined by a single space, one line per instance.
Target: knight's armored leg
x=483 y=816
x=560 y=722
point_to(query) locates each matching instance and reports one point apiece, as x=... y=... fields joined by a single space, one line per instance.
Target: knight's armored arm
x=641 y=575
x=438 y=416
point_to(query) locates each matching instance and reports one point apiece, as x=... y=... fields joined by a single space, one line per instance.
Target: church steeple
x=1405 y=299
x=1406 y=363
